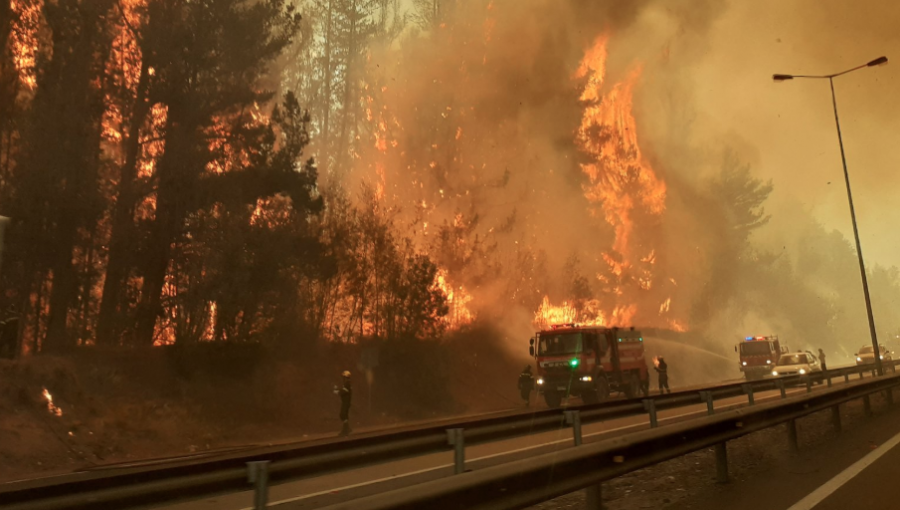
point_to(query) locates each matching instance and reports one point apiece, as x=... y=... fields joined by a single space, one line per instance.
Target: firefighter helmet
x=345 y=373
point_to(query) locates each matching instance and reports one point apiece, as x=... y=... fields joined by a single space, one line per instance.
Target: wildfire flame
x=620 y=179
x=655 y=361
x=457 y=300
x=549 y=314
x=54 y=410
x=622 y=185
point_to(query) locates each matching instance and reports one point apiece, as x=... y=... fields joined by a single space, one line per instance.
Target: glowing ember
x=664 y=307
x=50 y=405
x=24 y=38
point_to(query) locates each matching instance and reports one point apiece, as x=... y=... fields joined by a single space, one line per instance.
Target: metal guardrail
x=523 y=483
x=158 y=484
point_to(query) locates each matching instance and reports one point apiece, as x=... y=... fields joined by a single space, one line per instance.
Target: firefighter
x=526 y=385
x=346 y=394
x=822 y=359
x=663 y=370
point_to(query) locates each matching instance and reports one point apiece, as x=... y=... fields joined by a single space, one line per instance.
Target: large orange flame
x=620 y=179
x=458 y=301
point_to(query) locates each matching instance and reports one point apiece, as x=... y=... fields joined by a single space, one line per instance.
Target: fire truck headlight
x=744 y=363
x=540 y=381
x=774 y=372
x=858 y=358
x=881 y=357
x=586 y=378
x=802 y=371
x=768 y=362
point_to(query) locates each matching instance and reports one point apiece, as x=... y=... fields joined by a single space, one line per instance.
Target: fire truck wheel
x=633 y=386
x=553 y=399
x=602 y=389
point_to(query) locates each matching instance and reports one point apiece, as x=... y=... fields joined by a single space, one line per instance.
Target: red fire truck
x=590 y=362
x=758 y=355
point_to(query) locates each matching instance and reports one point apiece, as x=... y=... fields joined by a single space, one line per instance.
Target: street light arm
x=835 y=75
x=877 y=62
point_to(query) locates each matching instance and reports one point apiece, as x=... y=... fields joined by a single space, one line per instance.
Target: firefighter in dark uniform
x=346 y=394
x=526 y=385
x=663 y=370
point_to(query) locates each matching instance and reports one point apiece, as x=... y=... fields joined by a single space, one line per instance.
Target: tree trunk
x=175 y=184
x=326 y=117
x=109 y=322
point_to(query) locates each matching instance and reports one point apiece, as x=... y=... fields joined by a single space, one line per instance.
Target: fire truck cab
x=589 y=362
x=758 y=355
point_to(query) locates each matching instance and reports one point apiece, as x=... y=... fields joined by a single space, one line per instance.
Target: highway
x=347 y=485
x=859 y=468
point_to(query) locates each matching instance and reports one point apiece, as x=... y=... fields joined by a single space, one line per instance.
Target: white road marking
x=818 y=495
x=507 y=452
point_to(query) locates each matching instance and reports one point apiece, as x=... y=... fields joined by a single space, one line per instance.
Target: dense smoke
x=475 y=122
x=504 y=137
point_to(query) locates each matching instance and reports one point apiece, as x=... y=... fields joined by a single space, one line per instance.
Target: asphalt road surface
x=344 y=486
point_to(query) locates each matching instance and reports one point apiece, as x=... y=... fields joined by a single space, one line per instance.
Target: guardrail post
x=573 y=418
x=650 y=407
x=721 y=449
x=862 y=374
x=867 y=405
x=780 y=384
x=593 y=498
x=748 y=389
x=456 y=439
x=846 y=378
x=873 y=373
x=792 y=436
x=836 y=418
x=828 y=376
x=706 y=396
x=258 y=475
x=721 y=463
x=809 y=383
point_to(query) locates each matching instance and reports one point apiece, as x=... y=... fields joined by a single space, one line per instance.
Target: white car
x=865 y=355
x=797 y=363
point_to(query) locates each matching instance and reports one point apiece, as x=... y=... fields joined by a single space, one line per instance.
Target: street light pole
x=862 y=266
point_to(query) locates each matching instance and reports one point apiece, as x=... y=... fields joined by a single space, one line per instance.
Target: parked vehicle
x=798 y=363
x=866 y=355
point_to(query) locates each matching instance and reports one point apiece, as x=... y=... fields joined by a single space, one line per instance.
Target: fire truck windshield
x=562 y=343
x=755 y=348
